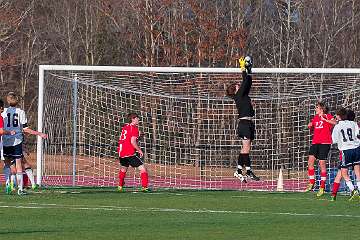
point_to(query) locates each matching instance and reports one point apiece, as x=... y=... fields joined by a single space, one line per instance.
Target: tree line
x=193 y=33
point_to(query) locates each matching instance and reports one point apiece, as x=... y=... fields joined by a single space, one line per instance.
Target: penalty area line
x=160 y=210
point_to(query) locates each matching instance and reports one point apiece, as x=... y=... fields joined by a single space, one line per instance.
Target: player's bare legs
x=311 y=173
x=246 y=147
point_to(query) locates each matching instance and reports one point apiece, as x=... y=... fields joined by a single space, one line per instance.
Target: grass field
x=174 y=214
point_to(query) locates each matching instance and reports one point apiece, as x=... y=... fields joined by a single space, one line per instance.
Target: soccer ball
x=248 y=63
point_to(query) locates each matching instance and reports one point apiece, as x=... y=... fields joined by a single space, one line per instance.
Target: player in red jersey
x=321 y=124
x=130 y=153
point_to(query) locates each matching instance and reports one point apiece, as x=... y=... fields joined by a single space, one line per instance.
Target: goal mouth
x=187 y=124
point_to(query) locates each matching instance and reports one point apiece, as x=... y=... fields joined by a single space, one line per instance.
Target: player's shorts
x=246 y=129
x=320 y=151
x=350 y=158
x=134 y=161
x=13 y=152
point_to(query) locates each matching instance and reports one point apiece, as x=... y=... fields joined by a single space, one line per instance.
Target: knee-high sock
x=311 y=174
x=121 y=178
x=144 y=179
x=29 y=173
x=19 y=177
x=7 y=174
x=247 y=162
x=240 y=163
x=323 y=179
x=335 y=189
x=350 y=185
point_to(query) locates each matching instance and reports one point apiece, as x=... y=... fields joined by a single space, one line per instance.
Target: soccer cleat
x=321 y=192
x=240 y=177
x=12 y=187
x=8 y=189
x=21 y=192
x=354 y=194
x=248 y=64
x=120 y=189
x=242 y=63
x=252 y=176
x=310 y=187
x=333 y=199
x=145 y=189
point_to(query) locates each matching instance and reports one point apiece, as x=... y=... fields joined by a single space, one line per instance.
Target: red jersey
x=322 y=129
x=1 y=122
x=125 y=148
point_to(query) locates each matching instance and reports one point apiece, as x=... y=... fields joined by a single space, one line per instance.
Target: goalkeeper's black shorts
x=246 y=129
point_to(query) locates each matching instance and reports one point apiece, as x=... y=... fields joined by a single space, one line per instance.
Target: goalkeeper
x=246 y=126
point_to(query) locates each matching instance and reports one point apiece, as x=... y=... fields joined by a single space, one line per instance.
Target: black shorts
x=350 y=158
x=134 y=161
x=320 y=151
x=13 y=152
x=246 y=129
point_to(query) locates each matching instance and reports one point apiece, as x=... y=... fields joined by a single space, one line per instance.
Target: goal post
x=188 y=126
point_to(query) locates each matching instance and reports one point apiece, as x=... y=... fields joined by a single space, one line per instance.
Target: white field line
x=134 y=209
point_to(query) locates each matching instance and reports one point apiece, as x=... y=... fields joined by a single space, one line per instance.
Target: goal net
x=187 y=125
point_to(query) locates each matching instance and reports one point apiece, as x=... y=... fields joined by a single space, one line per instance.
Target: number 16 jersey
x=345 y=135
x=14 y=120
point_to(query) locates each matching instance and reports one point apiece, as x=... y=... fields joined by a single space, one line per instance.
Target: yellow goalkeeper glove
x=242 y=63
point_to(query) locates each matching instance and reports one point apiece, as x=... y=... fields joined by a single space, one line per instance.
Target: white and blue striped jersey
x=14 y=120
x=345 y=135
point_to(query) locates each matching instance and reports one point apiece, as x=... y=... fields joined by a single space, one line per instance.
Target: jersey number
x=15 y=120
x=123 y=135
x=349 y=134
x=319 y=124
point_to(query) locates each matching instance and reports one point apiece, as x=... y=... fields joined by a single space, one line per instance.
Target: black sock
x=240 y=163
x=246 y=161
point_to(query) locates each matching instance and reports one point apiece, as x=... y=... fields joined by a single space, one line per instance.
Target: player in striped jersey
x=347 y=136
x=15 y=120
x=130 y=153
x=321 y=124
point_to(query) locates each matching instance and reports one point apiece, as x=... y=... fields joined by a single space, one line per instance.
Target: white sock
x=30 y=175
x=358 y=185
x=350 y=185
x=7 y=174
x=19 y=177
x=248 y=168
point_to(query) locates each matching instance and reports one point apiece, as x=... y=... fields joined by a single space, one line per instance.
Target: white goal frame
x=43 y=68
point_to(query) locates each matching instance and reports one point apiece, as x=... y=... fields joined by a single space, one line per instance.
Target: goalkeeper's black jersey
x=242 y=99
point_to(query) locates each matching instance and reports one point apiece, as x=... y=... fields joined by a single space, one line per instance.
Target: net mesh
x=187 y=125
